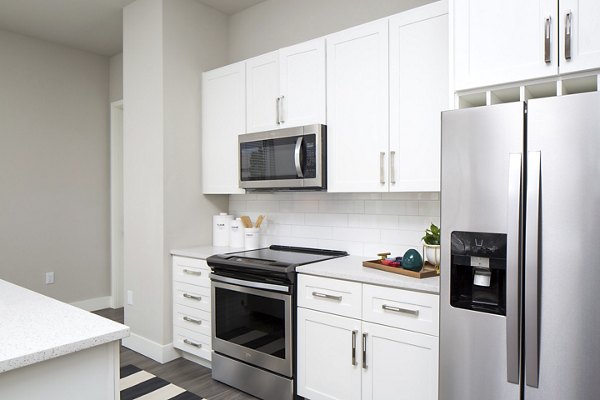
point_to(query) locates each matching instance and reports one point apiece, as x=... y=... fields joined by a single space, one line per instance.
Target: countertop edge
x=61 y=350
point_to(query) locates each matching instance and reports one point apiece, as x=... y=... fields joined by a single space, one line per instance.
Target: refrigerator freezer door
x=566 y=133
x=480 y=151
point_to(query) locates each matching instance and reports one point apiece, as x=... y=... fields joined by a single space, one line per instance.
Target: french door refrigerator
x=520 y=275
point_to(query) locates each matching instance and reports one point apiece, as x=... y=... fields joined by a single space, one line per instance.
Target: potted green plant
x=431 y=245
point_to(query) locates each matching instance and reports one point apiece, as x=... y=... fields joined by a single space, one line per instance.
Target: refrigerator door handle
x=531 y=269
x=513 y=268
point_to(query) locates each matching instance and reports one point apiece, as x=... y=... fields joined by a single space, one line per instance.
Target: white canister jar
x=236 y=233
x=251 y=238
x=221 y=225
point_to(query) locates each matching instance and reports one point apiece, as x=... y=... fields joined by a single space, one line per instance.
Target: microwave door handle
x=297 y=150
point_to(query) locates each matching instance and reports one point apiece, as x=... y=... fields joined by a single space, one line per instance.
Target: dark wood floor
x=181 y=372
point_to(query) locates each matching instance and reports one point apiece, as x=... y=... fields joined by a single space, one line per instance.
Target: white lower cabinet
x=192 y=307
x=353 y=356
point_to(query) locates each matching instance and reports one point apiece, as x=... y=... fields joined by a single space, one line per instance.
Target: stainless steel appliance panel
x=477 y=145
x=562 y=287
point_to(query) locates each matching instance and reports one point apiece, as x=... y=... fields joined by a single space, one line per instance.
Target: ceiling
x=90 y=25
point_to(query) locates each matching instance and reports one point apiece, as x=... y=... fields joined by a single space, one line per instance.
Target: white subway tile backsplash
x=317 y=232
x=342 y=206
x=326 y=219
x=359 y=223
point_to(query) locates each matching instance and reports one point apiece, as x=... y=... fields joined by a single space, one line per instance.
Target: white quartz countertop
x=35 y=328
x=350 y=268
x=203 y=252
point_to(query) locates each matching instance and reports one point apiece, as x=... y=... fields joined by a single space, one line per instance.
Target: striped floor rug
x=136 y=383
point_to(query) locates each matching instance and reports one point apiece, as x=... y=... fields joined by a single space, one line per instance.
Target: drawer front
x=191 y=296
x=413 y=311
x=192 y=319
x=192 y=342
x=330 y=295
x=191 y=270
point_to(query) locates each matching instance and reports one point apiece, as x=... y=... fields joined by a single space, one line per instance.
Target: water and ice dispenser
x=478 y=271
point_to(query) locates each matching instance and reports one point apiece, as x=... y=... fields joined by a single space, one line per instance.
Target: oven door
x=253 y=324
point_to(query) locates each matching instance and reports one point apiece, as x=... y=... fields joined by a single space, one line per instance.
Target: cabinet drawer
x=192 y=319
x=414 y=311
x=191 y=296
x=330 y=295
x=192 y=342
x=191 y=270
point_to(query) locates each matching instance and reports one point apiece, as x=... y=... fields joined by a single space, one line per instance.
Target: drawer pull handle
x=400 y=310
x=191 y=272
x=192 y=297
x=354 y=347
x=327 y=296
x=186 y=341
x=192 y=320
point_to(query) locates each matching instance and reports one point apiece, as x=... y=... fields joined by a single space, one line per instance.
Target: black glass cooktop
x=284 y=255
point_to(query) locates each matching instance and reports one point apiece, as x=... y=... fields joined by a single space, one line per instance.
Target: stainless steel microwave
x=284 y=159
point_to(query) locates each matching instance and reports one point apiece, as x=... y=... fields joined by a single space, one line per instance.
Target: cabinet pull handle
x=277 y=109
x=364 y=350
x=400 y=310
x=393 y=167
x=192 y=320
x=568 y=17
x=186 y=341
x=191 y=272
x=192 y=297
x=547 y=40
x=354 y=347
x=381 y=170
x=281 y=119
x=327 y=296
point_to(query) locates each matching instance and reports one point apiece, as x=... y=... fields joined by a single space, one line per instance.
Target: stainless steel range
x=254 y=318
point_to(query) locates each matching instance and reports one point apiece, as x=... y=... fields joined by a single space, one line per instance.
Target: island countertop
x=35 y=328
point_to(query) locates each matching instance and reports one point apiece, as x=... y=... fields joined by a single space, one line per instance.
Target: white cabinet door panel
x=223 y=119
x=584 y=34
x=302 y=83
x=325 y=368
x=262 y=92
x=400 y=364
x=502 y=41
x=357 y=108
x=418 y=93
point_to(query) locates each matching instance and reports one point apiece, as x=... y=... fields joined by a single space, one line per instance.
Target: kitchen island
x=51 y=350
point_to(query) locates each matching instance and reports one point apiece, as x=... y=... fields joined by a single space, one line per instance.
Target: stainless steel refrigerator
x=520 y=275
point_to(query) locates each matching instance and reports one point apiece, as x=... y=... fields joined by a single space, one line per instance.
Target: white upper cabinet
x=223 y=119
x=501 y=41
x=286 y=88
x=579 y=35
x=418 y=93
x=302 y=84
x=262 y=92
x=357 y=108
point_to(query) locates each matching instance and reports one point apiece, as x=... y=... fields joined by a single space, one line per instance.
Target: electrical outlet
x=130 y=297
x=49 y=278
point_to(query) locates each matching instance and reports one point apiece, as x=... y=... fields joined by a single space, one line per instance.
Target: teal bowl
x=412 y=260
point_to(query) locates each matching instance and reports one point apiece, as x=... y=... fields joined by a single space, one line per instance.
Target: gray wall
x=54 y=175
x=167 y=44
x=116 y=77
x=278 y=23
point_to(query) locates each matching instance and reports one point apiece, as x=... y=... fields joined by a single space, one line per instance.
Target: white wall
x=363 y=224
x=167 y=44
x=54 y=175
x=116 y=77
x=278 y=23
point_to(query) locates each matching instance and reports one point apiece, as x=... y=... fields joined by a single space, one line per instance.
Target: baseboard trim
x=158 y=352
x=95 y=304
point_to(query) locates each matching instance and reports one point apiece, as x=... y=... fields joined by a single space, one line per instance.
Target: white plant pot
x=432 y=253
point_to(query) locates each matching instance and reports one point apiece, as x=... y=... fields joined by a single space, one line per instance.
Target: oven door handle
x=251 y=284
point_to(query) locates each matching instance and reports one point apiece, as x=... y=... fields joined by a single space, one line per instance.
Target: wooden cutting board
x=428 y=270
